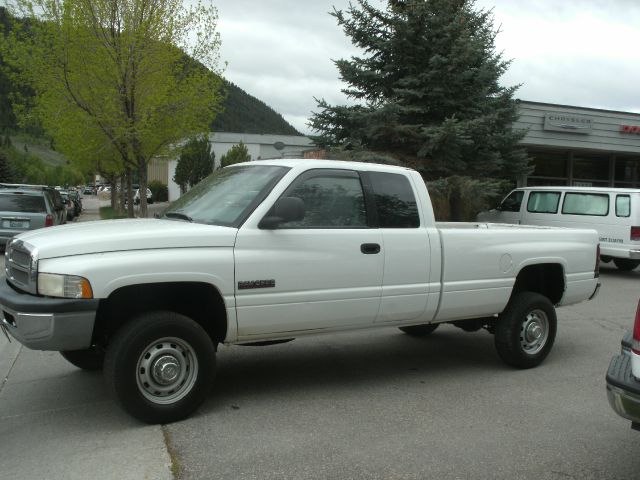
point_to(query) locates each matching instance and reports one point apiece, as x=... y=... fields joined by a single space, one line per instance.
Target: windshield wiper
x=181 y=216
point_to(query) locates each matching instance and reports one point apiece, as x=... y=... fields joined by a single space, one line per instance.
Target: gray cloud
x=577 y=52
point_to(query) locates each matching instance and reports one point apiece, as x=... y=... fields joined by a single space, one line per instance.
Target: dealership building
x=580 y=146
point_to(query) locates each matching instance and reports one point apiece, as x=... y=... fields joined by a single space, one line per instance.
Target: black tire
x=90 y=359
x=154 y=345
x=526 y=330
x=626 y=264
x=420 y=330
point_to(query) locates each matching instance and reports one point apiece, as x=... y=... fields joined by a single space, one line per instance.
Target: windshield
x=227 y=196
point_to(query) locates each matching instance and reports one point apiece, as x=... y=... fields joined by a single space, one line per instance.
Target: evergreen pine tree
x=195 y=162
x=6 y=172
x=237 y=154
x=427 y=92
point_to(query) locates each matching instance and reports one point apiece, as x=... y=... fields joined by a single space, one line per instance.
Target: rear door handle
x=370 y=248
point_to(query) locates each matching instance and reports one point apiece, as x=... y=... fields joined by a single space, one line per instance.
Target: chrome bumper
x=623 y=390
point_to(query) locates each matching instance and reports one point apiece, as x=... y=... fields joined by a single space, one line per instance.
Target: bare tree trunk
x=129 y=187
x=123 y=185
x=142 y=173
x=113 y=182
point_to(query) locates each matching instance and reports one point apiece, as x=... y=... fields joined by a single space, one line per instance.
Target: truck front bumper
x=42 y=323
x=623 y=390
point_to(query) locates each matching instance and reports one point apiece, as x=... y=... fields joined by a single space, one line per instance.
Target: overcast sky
x=575 y=52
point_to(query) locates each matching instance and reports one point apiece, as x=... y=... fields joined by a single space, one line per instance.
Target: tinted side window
x=395 y=201
x=543 y=202
x=623 y=206
x=586 y=204
x=332 y=200
x=512 y=202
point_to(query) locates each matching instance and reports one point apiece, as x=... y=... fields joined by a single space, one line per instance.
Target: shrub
x=159 y=190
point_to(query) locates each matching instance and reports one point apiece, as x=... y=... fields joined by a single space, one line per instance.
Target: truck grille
x=21 y=266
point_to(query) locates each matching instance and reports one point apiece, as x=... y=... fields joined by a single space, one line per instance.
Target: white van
x=613 y=212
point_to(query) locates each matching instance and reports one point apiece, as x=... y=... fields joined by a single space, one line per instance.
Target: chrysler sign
x=567 y=122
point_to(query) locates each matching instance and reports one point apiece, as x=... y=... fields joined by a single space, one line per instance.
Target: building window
x=627 y=172
x=591 y=170
x=550 y=164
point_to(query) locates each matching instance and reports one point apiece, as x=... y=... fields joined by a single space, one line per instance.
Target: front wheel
x=525 y=330
x=626 y=264
x=160 y=367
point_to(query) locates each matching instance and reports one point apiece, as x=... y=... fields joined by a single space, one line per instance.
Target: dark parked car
x=70 y=206
x=22 y=210
x=77 y=201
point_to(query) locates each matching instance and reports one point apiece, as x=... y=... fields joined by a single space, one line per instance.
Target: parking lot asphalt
x=372 y=404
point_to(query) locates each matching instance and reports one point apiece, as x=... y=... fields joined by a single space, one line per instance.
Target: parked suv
x=22 y=210
x=59 y=206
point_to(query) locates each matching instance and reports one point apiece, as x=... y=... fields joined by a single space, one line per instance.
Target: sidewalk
x=57 y=422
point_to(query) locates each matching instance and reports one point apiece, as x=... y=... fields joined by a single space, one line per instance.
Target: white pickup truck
x=263 y=252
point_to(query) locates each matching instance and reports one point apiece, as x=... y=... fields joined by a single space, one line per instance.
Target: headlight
x=64 y=286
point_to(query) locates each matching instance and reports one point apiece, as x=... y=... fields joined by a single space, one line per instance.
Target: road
x=372 y=404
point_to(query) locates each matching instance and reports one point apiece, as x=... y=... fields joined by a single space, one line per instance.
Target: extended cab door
x=321 y=272
x=407 y=279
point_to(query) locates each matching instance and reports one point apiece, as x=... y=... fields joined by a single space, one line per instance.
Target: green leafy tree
x=426 y=91
x=237 y=154
x=120 y=80
x=196 y=162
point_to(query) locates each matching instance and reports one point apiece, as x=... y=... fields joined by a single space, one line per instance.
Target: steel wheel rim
x=534 y=332
x=167 y=370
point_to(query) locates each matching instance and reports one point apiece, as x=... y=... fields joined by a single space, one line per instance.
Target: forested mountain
x=244 y=113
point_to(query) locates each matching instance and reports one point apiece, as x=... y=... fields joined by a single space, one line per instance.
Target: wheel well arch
x=199 y=301
x=544 y=278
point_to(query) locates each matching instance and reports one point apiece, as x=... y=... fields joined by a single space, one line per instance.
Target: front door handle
x=370 y=248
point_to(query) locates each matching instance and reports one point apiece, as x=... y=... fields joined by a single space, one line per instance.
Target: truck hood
x=118 y=235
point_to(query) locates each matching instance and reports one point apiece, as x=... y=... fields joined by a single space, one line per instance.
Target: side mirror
x=286 y=209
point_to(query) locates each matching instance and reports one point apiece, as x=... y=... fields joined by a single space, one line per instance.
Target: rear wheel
x=160 y=367
x=626 y=264
x=90 y=359
x=420 y=330
x=526 y=330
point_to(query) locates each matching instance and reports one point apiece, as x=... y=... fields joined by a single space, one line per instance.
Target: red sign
x=630 y=129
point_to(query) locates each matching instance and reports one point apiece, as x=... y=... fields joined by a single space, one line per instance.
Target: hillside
x=244 y=113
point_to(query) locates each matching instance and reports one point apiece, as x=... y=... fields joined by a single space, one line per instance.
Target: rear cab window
x=395 y=201
x=543 y=202
x=578 y=203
